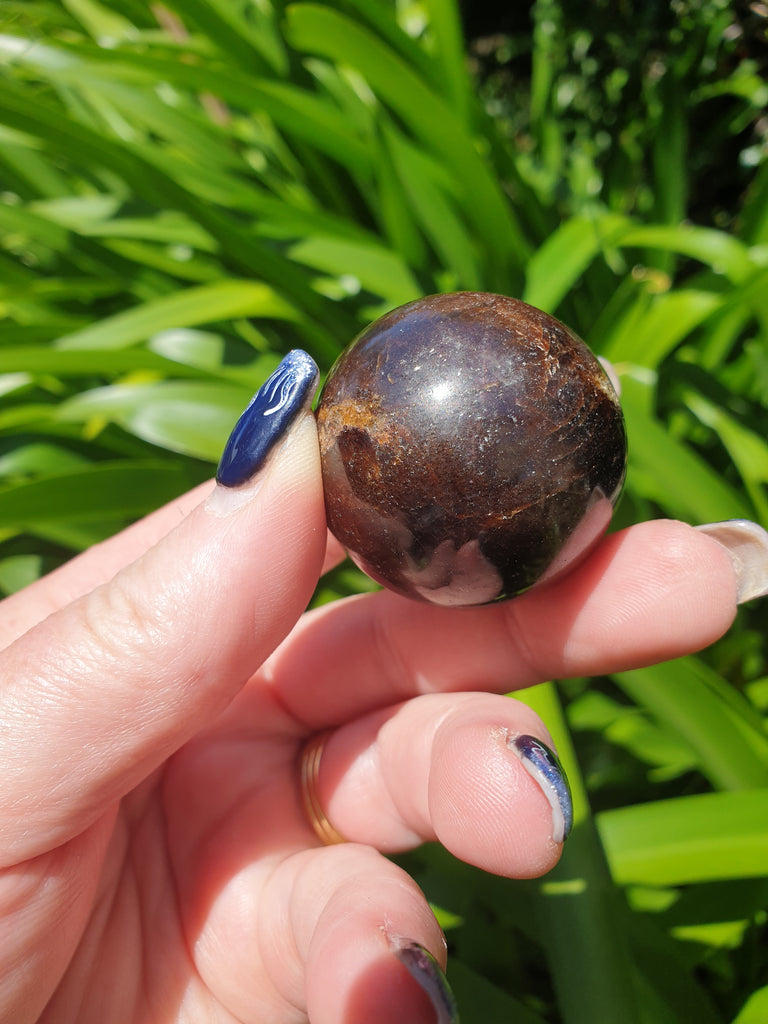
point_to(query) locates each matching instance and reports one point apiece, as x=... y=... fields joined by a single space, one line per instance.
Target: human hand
x=157 y=862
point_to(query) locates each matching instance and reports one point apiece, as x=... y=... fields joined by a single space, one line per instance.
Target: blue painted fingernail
x=424 y=969
x=543 y=765
x=269 y=414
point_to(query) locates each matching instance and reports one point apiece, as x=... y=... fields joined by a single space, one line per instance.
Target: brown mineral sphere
x=472 y=446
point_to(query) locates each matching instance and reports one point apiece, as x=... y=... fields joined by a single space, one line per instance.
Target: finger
x=655 y=591
x=100 y=563
x=322 y=937
x=467 y=782
x=89 y=569
x=98 y=695
x=359 y=943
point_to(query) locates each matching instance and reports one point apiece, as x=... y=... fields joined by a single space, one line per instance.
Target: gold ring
x=311 y=756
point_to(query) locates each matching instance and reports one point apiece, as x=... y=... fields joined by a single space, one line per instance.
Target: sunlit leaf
x=719 y=725
x=755 y=1010
x=691 y=839
x=188 y=417
x=89 y=494
x=223 y=300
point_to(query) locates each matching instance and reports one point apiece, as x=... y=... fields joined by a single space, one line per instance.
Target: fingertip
x=294 y=461
x=746 y=544
x=267 y=417
x=689 y=583
x=649 y=593
x=486 y=807
x=354 y=973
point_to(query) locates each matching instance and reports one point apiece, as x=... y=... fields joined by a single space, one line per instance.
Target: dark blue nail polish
x=543 y=765
x=268 y=416
x=424 y=969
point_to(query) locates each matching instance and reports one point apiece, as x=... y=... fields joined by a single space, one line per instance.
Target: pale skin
x=156 y=863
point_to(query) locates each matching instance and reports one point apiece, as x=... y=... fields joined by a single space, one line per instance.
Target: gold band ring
x=311 y=756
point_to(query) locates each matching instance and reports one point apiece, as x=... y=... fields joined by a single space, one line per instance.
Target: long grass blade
x=691 y=839
x=223 y=300
x=686 y=695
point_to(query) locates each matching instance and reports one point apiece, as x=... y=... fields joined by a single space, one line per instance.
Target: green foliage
x=189 y=190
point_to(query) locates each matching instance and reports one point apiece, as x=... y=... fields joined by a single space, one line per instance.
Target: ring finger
x=472 y=770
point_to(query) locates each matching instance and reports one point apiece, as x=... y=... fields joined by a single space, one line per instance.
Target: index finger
x=652 y=592
x=98 y=564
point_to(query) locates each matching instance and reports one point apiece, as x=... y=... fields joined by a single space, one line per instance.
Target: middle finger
x=652 y=592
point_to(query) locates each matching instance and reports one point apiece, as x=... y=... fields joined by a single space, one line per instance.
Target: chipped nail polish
x=269 y=414
x=747 y=544
x=425 y=970
x=544 y=767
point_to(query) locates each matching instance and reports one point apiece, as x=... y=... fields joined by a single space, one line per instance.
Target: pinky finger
x=370 y=947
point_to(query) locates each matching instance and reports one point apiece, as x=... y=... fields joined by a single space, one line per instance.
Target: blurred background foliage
x=190 y=188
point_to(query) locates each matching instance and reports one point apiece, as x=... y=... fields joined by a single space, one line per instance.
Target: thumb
x=98 y=695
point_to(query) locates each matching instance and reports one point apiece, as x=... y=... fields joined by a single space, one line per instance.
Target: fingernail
x=544 y=767
x=425 y=970
x=747 y=544
x=269 y=414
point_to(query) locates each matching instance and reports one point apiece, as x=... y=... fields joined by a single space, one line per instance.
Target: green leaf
x=666 y=471
x=251 y=42
x=449 y=53
x=481 y=1002
x=10 y=383
x=103 y=24
x=34 y=359
x=581 y=920
x=20 y=221
x=63 y=134
x=670 y=153
x=321 y=30
x=756 y=209
x=77 y=213
x=294 y=110
x=434 y=211
x=674 y=986
x=664 y=321
x=19 y=571
x=224 y=300
x=755 y=1010
x=717 y=249
x=125 y=489
x=545 y=126
x=39 y=458
x=371 y=265
x=632 y=730
x=689 y=839
x=718 y=724
x=188 y=417
x=559 y=262
x=748 y=452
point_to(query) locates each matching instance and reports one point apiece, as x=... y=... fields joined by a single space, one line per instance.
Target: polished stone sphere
x=472 y=447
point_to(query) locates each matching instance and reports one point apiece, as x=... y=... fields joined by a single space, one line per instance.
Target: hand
x=156 y=860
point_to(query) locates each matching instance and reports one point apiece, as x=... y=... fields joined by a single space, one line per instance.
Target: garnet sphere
x=472 y=446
